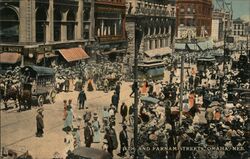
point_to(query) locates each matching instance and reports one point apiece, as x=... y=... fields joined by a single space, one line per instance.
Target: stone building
x=110 y=29
x=39 y=29
x=150 y=24
x=195 y=16
x=221 y=19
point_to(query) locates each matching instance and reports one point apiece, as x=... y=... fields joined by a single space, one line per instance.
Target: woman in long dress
x=68 y=124
x=96 y=128
x=90 y=85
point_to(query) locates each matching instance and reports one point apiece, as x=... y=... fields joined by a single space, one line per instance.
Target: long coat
x=123 y=136
x=39 y=121
x=115 y=99
x=88 y=134
x=124 y=110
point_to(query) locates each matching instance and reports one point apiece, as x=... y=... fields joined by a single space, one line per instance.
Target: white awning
x=158 y=52
x=206 y=45
x=180 y=46
x=193 y=47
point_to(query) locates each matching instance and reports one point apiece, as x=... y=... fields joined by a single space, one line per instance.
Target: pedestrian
x=68 y=123
x=123 y=136
x=106 y=85
x=65 y=109
x=66 y=85
x=69 y=141
x=105 y=119
x=115 y=101
x=96 y=128
x=87 y=117
x=88 y=135
x=81 y=99
x=134 y=87
x=118 y=89
x=39 y=123
x=124 y=112
x=90 y=85
x=76 y=135
x=131 y=115
x=108 y=137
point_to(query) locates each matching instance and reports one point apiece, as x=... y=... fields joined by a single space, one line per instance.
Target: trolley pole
x=181 y=89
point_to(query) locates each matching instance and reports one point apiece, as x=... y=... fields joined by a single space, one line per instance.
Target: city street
x=18 y=128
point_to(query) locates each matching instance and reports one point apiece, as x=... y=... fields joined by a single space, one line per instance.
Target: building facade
x=37 y=29
x=110 y=29
x=155 y=20
x=239 y=27
x=221 y=19
x=193 y=17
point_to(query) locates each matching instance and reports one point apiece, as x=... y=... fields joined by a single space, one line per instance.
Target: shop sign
x=17 y=49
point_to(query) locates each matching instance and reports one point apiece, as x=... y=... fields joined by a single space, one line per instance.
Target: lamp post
x=44 y=41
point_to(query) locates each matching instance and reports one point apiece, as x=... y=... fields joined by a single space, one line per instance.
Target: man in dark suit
x=123 y=136
x=115 y=100
x=81 y=99
x=118 y=89
x=124 y=111
x=88 y=134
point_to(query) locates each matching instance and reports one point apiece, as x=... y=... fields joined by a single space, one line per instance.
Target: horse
x=9 y=92
x=25 y=100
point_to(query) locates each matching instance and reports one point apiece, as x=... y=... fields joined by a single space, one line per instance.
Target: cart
x=40 y=82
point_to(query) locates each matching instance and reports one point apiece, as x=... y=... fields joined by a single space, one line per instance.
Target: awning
x=193 y=47
x=41 y=71
x=73 y=54
x=10 y=57
x=114 y=51
x=158 y=52
x=206 y=45
x=180 y=46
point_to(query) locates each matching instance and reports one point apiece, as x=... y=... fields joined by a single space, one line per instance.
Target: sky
x=241 y=8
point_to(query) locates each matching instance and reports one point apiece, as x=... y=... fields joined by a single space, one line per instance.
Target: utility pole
x=44 y=41
x=181 y=89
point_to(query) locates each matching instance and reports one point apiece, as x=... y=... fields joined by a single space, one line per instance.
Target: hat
x=95 y=115
x=40 y=110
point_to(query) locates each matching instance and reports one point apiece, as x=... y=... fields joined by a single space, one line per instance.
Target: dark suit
x=124 y=112
x=115 y=100
x=88 y=135
x=81 y=99
x=110 y=143
x=123 y=136
x=117 y=90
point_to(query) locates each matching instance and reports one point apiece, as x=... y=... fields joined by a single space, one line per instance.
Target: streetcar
x=39 y=82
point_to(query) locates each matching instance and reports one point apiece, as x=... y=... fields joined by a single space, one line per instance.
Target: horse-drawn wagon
x=38 y=83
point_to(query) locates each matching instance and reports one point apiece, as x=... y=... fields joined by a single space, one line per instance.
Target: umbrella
x=149 y=99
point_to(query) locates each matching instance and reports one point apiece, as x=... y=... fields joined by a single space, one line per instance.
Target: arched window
x=57 y=24
x=70 y=25
x=41 y=17
x=9 y=28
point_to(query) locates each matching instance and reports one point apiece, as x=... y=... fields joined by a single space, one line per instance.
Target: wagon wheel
x=52 y=96
x=40 y=100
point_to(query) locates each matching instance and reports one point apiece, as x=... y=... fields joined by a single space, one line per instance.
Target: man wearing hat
x=88 y=134
x=81 y=99
x=123 y=136
x=124 y=112
x=39 y=123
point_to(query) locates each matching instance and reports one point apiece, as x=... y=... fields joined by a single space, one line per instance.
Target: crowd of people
x=220 y=133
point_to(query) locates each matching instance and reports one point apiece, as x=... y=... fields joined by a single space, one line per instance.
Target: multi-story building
x=221 y=19
x=193 y=17
x=155 y=20
x=110 y=28
x=37 y=29
x=239 y=27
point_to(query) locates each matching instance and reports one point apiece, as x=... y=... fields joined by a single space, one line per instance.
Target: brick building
x=194 y=15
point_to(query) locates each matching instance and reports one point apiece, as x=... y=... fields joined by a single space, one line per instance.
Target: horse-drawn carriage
x=38 y=83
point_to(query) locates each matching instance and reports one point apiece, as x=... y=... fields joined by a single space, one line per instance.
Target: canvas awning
x=10 y=57
x=193 y=47
x=158 y=52
x=205 y=45
x=113 y=51
x=73 y=54
x=180 y=46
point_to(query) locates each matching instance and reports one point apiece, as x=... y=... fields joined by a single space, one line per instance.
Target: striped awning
x=73 y=54
x=10 y=57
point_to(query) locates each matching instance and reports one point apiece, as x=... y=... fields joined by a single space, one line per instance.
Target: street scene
x=124 y=79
